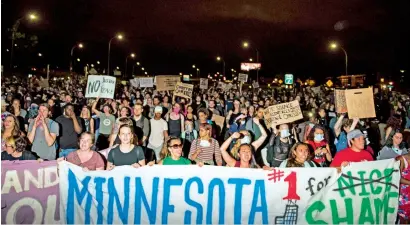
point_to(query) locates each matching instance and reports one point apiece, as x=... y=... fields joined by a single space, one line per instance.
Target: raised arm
x=257 y=143
x=94 y=109
x=338 y=126
x=225 y=155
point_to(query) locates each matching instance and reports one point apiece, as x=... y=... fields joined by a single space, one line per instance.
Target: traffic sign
x=288 y=78
x=329 y=83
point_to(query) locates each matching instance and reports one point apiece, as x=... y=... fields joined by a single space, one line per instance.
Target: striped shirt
x=207 y=153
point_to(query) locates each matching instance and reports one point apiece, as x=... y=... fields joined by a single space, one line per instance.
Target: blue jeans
x=64 y=152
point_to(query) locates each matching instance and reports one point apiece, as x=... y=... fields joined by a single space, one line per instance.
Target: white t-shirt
x=156 y=138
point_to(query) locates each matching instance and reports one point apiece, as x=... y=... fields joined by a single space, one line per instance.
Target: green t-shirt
x=106 y=123
x=181 y=161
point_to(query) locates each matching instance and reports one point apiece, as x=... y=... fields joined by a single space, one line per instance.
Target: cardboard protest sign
x=221 y=85
x=255 y=85
x=30 y=192
x=203 y=84
x=315 y=90
x=243 y=77
x=360 y=103
x=166 y=82
x=184 y=90
x=219 y=120
x=43 y=83
x=283 y=113
x=146 y=82
x=228 y=87
x=213 y=195
x=135 y=82
x=100 y=86
x=340 y=101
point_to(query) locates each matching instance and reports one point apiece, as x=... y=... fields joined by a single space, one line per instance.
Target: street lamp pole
x=71 y=55
x=109 y=51
x=13 y=37
x=257 y=61
x=126 y=63
x=345 y=59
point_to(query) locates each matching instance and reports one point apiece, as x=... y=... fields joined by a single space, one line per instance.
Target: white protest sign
x=243 y=77
x=184 y=90
x=203 y=83
x=363 y=193
x=283 y=113
x=135 y=82
x=221 y=85
x=255 y=85
x=100 y=86
x=146 y=82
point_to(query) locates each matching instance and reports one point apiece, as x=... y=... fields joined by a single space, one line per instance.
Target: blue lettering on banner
x=259 y=190
x=79 y=195
x=99 y=197
x=189 y=201
x=166 y=207
x=221 y=191
x=239 y=182
x=113 y=195
x=140 y=196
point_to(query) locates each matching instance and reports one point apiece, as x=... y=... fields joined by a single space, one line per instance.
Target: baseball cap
x=354 y=134
x=158 y=109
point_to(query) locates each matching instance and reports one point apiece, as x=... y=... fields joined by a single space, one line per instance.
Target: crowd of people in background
x=142 y=127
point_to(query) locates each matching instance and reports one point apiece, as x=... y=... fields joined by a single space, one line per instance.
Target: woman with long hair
x=232 y=114
x=299 y=157
x=396 y=148
x=190 y=114
x=175 y=120
x=85 y=157
x=114 y=137
x=11 y=127
x=393 y=124
x=88 y=120
x=205 y=148
x=126 y=153
x=318 y=140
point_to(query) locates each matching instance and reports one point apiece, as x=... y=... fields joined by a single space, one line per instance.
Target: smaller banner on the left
x=100 y=86
x=29 y=192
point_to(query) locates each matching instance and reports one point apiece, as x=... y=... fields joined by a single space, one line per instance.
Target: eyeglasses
x=176 y=146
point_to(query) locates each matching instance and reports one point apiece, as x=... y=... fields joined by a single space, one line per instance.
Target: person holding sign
x=107 y=121
x=126 y=153
x=242 y=149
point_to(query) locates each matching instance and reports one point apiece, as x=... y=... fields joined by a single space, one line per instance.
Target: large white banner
x=364 y=192
x=100 y=86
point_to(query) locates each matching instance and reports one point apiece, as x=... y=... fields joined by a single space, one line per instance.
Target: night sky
x=169 y=36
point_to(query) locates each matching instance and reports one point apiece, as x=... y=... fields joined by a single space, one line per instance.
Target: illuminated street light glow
x=193 y=66
x=119 y=36
x=146 y=73
x=142 y=68
x=333 y=45
x=118 y=67
x=32 y=16
x=39 y=54
x=98 y=62
x=138 y=63
x=250 y=59
x=92 y=65
x=218 y=58
x=78 y=59
x=80 y=45
x=245 y=44
x=402 y=71
x=197 y=69
x=180 y=74
x=132 y=55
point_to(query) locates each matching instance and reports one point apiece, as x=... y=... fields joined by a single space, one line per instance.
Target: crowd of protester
x=143 y=127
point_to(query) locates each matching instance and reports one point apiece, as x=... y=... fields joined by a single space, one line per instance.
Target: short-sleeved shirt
x=40 y=145
x=68 y=137
x=106 y=123
x=93 y=163
x=181 y=161
x=119 y=158
x=348 y=155
x=156 y=138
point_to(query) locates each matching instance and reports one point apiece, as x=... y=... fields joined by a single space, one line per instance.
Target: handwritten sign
x=146 y=82
x=183 y=90
x=360 y=103
x=135 y=82
x=255 y=85
x=203 y=83
x=215 y=195
x=167 y=82
x=283 y=113
x=221 y=85
x=30 y=192
x=243 y=77
x=43 y=83
x=100 y=86
x=340 y=101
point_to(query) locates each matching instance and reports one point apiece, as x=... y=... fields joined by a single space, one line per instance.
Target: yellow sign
x=329 y=83
x=280 y=81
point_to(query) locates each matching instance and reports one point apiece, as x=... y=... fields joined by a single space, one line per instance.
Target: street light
x=334 y=46
x=193 y=66
x=142 y=68
x=39 y=54
x=250 y=59
x=132 y=55
x=119 y=37
x=78 y=59
x=246 y=45
x=79 y=45
x=98 y=62
x=31 y=17
x=223 y=61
